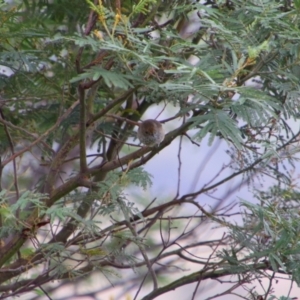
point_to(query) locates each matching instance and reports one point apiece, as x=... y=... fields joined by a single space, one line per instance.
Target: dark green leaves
x=217 y=122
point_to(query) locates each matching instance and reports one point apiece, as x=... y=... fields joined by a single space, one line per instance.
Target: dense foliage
x=75 y=78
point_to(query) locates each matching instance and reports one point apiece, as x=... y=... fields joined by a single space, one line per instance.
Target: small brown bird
x=151 y=133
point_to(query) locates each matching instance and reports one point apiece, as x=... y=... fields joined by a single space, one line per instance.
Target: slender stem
x=11 y=145
x=38 y=140
x=141 y=247
x=82 y=130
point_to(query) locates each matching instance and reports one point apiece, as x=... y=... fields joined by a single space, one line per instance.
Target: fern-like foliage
x=78 y=77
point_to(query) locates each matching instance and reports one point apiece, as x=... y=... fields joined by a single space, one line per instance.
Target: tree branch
x=200 y=276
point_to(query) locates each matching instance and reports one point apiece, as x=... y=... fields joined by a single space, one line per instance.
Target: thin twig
x=44 y=291
x=250 y=167
x=192 y=141
x=11 y=145
x=179 y=166
x=123 y=119
x=44 y=135
x=111 y=105
x=82 y=130
x=141 y=247
x=207 y=263
x=270 y=285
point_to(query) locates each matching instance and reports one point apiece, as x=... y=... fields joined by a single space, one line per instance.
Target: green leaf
x=140 y=177
x=112 y=79
x=217 y=121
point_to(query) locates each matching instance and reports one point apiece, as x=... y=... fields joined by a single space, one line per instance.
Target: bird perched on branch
x=150 y=132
